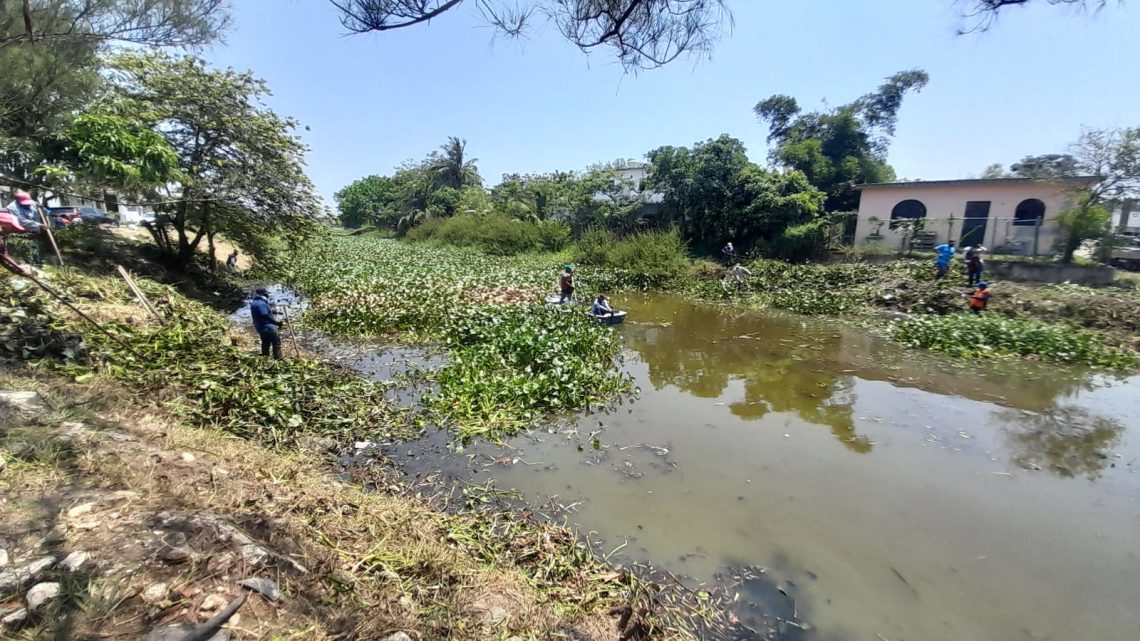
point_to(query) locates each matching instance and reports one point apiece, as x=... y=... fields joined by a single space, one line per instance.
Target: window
x=907 y=210
x=1029 y=213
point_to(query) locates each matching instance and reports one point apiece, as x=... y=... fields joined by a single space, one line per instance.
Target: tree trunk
x=213 y=252
x=1072 y=244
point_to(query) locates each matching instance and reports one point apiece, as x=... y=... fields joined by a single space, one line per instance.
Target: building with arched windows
x=1007 y=215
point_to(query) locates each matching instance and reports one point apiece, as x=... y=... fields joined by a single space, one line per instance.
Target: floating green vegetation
x=964 y=335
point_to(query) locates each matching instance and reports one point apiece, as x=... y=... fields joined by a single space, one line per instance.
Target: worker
x=945 y=253
x=231 y=263
x=729 y=253
x=738 y=273
x=602 y=306
x=980 y=298
x=265 y=323
x=566 y=284
x=974 y=264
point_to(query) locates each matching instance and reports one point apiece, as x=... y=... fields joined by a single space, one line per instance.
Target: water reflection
x=785 y=365
x=1068 y=441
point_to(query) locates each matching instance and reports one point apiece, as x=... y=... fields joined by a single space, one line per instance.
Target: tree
x=1046 y=167
x=368 y=200
x=157 y=23
x=452 y=168
x=982 y=13
x=844 y=147
x=996 y=170
x=642 y=34
x=717 y=194
x=1112 y=155
x=49 y=51
x=1086 y=221
x=240 y=167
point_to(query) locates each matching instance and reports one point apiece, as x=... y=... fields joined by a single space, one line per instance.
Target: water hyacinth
x=513 y=358
x=964 y=335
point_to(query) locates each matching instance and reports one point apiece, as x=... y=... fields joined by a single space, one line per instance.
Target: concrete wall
x=1091 y=276
x=945 y=209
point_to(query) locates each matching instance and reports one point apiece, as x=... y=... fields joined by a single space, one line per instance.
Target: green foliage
x=494 y=234
x=719 y=195
x=987 y=335
x=450 y=167
x=642 y=260
x=528 y=359
x=114 y=151
x=800 y=243
x=478 y=306
x=241 y=169
x=370 y=200
x=1084 y=222
x=843 y=147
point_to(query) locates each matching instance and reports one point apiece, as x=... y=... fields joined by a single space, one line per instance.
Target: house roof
x=978 y=181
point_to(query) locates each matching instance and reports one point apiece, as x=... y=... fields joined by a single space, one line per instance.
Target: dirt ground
x=222 y=246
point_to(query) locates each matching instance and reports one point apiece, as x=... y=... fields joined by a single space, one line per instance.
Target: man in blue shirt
x=265 y=324
x=945 y=253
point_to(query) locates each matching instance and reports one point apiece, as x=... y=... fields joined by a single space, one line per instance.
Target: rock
x=3 y=463
x=178 y=632
x=399 y=636
x=318 y=444
x=22 y=450
x=3 y=558
x=389 y=575
x=14 y=618
x=187 y=457
x=155 y=593
x=57 y=535
x=220 y=562
x=14 y=579
x=254 y=555
x=213 y=602
x=40 y=594
x=175 y=554
x=72 y=562
x=264 y=587
x=81 y=509
x=27 y=402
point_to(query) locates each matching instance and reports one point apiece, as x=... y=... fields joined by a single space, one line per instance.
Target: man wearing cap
x=265 y=323
x=566 y=284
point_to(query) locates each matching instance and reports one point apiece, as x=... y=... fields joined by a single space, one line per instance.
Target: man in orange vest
x=979 y=298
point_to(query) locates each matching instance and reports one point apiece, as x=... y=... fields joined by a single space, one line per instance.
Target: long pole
x=51 y=236
x=292 y=334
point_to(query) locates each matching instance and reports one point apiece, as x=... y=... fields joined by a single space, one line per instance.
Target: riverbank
x=202 y=465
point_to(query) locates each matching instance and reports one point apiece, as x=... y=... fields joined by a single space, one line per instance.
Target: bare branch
x=983 y=13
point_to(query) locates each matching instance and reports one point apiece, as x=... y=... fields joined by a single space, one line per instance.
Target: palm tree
x=451 y=168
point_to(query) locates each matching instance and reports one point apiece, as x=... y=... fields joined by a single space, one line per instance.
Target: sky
x=371 y=101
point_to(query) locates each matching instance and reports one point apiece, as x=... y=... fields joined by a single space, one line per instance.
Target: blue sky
x=538 y=104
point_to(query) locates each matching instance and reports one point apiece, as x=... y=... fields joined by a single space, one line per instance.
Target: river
x=887 y=494
x=890 y=494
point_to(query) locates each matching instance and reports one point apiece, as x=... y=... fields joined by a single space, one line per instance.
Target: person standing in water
x=945 y=253
x=566 y=284
x=265 y=323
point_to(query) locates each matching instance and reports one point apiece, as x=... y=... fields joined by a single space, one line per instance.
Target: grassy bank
x=163 y=454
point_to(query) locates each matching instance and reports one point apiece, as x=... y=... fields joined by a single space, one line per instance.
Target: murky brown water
x=893 y=495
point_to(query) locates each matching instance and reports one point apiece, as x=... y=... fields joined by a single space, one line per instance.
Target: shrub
x=644 y=259
x=987 y=335
x=800 y=243
x=493 y=233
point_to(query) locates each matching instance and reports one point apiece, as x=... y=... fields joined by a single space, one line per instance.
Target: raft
x=617 y=318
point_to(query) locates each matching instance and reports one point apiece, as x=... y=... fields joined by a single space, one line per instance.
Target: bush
x=964 y=335
x=800 y=243
x=493 y=233
x=645 y=259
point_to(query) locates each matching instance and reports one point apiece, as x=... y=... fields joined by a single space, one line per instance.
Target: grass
x=400 y=558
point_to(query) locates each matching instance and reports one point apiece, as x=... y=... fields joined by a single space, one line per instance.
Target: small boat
x=617 y=318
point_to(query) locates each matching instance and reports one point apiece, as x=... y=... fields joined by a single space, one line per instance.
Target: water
x=890 y=494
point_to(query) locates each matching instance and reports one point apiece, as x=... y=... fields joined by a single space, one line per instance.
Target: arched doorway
x=1029 y=213
x=909 y=209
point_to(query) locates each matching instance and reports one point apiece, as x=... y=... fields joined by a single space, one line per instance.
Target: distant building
x=1008 y=215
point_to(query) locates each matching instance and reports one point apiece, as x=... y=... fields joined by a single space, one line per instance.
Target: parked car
x=86 y=214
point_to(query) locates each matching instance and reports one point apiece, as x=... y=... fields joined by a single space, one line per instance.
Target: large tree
x=160 y=23
x=717 y=194
x=841 y=148
x=452 y=167
x=1046 y=166
x=980 y=14
x=240 y=166
x=50 y=56
x=642 y=34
